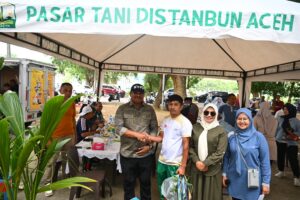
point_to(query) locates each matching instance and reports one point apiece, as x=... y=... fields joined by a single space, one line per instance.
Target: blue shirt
x=255 y=151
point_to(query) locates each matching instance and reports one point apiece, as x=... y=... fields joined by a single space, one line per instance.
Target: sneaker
x=279 y=174
x=48 y=193
x=297 y=182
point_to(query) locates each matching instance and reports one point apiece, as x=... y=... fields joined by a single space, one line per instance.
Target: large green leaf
x=10 y=106
x=53 y=112
x=69 y=182
x=5 y=155
x=24 y=157
x=4 y=148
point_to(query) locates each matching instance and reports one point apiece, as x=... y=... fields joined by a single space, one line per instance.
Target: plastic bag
x=176 y=188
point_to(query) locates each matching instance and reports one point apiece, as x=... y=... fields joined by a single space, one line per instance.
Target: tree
x=192 y=81
x=79 y=72
x=179 y=85
x=290 y=89
x=153 y=82
x=85 y=74
x=112 y=77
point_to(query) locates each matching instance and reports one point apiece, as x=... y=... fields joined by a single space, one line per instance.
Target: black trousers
x=292 y=155
x=133 y=168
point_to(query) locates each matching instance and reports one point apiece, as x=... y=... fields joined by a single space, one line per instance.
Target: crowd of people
x=223 y=147
x=226 y=147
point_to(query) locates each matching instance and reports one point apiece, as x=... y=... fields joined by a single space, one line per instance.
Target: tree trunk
x=179 y=83
x=89 y=79
x=158 y=98
x=291 y=92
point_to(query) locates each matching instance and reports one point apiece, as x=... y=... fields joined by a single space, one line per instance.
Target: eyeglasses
x=206 y=113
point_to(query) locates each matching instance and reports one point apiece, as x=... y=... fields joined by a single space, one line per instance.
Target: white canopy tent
x=254 y=41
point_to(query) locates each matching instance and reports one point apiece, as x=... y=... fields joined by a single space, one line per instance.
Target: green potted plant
x=19 y=152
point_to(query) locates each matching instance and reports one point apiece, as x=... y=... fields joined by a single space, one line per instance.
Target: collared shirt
x=142 y=119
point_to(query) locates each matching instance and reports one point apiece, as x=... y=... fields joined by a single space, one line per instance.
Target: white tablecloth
x=111 y=152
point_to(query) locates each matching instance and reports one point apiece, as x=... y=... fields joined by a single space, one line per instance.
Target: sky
x=20 y=52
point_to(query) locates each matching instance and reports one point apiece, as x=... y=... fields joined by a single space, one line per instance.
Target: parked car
x=202 y=98
x=111 y=90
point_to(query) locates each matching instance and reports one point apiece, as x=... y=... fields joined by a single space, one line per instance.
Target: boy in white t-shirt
x=174 y=134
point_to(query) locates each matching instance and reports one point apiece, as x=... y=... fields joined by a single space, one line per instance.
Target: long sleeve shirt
x=142 y=119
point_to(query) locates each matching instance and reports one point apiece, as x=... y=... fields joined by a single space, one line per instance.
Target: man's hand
x=143 y=150
x=265 y=189
x=201 y=166
x=181 y=170
x=143 y=137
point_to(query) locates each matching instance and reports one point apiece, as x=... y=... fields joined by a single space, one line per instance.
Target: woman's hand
x=224 y=178
x=201 y=166
x=265 y=189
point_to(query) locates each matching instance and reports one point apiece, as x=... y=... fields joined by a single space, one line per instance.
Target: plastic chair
x=98 y=175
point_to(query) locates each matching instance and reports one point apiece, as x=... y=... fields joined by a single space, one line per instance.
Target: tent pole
x=162 y=105
x=99 y=81
x=244 y=89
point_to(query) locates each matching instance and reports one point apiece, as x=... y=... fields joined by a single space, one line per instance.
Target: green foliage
x=84 y=74
x=1 y=62
x=192 y=81
x=26 y=158
x=276 y=88
x=208 y=84
x=151 y=82
x=79 y=72
x=111 y=77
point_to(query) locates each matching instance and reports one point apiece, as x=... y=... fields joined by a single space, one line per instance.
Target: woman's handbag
x=253 y=174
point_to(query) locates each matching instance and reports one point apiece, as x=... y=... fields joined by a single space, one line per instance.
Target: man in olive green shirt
x=135 y=120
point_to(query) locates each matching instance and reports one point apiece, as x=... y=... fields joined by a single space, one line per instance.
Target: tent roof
x=207 y=38
x=178 y=55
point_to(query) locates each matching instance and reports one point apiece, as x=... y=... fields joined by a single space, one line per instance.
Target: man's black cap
x=137 y=88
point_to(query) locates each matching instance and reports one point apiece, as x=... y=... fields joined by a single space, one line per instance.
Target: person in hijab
x=207 y=148
x=266 y=123
x=247 y=148
x=218 y=101
x=288 y=124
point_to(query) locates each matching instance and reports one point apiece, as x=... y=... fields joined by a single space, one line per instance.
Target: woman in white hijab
x=266 y=123
x=207 y=148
